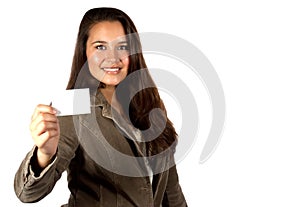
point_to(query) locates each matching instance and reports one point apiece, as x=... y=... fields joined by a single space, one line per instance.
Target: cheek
x=94 y=58
x=125 y=61
x=94 y=62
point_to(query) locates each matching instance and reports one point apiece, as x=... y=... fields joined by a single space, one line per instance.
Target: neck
x=108 y=92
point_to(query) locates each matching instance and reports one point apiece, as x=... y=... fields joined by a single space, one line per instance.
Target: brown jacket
x=104 y=167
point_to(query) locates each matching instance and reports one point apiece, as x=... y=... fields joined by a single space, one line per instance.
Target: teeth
x=111 y=69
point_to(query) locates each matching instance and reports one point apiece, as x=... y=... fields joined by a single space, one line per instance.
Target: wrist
x=44 y=159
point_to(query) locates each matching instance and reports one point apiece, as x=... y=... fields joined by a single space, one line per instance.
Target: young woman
x=122 y=153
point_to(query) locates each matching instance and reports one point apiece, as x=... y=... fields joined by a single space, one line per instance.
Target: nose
x=112 y=56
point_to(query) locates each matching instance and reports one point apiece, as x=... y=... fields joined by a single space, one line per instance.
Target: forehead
x=106 y=31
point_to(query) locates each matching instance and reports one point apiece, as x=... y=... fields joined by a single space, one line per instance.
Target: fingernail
x=56 y=111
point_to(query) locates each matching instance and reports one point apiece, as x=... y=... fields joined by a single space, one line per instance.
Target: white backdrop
x=253 y=45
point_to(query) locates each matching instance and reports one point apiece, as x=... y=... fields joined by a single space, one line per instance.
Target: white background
x=253 y=45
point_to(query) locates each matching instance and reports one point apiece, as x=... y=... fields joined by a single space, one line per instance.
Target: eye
x=122 y=47
x=101 y=47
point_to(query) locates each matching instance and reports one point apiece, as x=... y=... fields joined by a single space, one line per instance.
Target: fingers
x=44 y=124
x=43 y=121
x=46 y=136
x=41 y=108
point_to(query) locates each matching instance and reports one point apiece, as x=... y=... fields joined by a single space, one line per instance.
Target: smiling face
x=107 y=52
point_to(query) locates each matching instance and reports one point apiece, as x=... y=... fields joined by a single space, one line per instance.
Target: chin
x=110 y=83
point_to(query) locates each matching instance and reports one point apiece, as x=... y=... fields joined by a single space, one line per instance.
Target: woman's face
x=107 y=52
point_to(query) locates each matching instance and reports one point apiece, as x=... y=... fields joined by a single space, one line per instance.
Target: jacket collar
x=97 y=100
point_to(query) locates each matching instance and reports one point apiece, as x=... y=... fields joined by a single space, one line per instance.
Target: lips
x=111 y=70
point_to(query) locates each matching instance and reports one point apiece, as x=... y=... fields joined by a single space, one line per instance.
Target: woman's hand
x=44 y=128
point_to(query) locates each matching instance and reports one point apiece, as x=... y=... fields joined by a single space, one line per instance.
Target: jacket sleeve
x=173 y=196
x=31 y=187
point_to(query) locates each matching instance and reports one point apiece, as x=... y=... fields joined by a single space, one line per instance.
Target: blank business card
x=72 y=102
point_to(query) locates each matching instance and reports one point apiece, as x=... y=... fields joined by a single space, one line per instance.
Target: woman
x=122 y=153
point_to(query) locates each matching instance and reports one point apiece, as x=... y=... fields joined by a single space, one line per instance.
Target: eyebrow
x=104 y=42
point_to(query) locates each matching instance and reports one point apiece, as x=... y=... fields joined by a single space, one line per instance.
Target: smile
x=111 y=70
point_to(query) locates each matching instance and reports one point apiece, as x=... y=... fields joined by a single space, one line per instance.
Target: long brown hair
x=145 y=100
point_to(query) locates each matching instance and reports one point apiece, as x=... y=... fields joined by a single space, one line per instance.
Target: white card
x=72 y=102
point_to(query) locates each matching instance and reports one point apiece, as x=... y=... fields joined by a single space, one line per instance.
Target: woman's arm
x=173 y=196
x=33 y=182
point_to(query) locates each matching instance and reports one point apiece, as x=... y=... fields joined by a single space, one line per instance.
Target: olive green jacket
x=104 y=166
